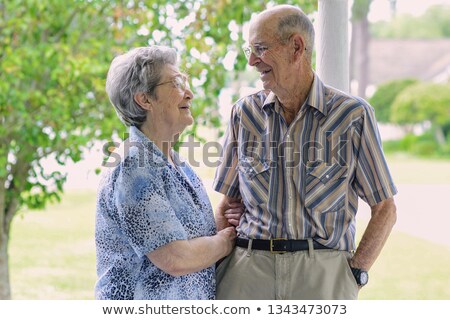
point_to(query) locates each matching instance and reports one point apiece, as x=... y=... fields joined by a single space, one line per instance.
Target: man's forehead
x=265 y=24
x=262 y=30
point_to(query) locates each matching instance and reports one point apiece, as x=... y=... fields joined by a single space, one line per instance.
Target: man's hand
x=229 y=212
x=234 y=213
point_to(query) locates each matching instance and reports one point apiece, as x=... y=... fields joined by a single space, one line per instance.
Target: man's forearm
x=377 y=232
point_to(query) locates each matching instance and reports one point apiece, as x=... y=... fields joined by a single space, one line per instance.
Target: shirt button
x=287 y=136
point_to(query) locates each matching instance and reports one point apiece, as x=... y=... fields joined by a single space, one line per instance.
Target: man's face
x=269 y=55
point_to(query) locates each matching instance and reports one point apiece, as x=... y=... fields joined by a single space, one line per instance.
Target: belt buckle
x=276 y=251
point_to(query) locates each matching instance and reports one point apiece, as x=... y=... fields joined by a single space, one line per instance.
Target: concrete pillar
x=332 y=61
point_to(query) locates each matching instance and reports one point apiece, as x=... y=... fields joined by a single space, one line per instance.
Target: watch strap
x=357 y=274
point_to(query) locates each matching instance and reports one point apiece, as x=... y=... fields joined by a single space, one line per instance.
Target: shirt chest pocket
x=254 y=180
x=326 y=187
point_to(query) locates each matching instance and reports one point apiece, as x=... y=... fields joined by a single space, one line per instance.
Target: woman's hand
x=227 y=236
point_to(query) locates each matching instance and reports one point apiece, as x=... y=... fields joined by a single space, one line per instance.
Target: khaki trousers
x=303 y=275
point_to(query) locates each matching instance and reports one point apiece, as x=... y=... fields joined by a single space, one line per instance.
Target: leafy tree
x=424 y=102
x=385 y=95
x=52 y=101
x=434 y=23
x=53 y=59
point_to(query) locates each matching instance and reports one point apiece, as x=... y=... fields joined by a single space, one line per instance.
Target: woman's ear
x=143 y=100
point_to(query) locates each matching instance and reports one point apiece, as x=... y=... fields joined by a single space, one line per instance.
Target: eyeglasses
x=257 y=50
x=179 y=81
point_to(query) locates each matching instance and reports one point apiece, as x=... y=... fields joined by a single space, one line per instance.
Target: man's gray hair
x=297 y=23
x=138 y=70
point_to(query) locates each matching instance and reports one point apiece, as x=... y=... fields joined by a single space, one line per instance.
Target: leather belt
x=279 y=245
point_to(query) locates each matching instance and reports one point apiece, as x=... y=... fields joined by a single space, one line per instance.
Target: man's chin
x=267 y=86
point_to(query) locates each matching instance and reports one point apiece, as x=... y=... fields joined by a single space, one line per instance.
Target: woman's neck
x=163 y=140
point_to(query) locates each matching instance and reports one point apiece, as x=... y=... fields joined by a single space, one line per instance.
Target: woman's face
x=171 y=109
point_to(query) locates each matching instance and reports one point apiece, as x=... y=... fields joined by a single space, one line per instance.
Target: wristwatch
x=361 y=276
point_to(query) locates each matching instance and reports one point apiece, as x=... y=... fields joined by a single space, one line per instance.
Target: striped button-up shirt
x=303 y=180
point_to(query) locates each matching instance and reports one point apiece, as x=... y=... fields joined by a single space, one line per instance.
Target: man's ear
x=298 y=44
x=143 y=100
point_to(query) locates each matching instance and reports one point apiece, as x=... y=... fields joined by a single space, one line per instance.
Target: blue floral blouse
x=144 y=203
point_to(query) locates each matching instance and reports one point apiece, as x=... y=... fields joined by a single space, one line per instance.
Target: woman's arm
x=182 y=257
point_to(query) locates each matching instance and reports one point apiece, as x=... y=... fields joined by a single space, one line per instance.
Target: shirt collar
x=315 y=99
x=138 y=138
x=316 y=96
x=271 y=103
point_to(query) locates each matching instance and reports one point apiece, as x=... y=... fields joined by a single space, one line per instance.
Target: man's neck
x=292 y=100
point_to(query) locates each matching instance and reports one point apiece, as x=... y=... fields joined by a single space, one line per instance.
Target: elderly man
x=299 y=154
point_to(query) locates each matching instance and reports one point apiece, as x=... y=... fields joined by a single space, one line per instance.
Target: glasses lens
x=257 y=50
x=247 y=51
x=180 y=82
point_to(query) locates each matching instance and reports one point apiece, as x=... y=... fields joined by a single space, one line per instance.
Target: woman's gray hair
x=138 y=70
x=297 y=23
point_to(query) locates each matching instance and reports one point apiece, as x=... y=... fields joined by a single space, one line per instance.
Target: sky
x=380 y=9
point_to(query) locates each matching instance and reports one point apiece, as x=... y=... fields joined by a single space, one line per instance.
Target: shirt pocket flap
x=251 y=168
x=325 y=172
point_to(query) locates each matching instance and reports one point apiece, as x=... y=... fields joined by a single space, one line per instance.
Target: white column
x=332 y=61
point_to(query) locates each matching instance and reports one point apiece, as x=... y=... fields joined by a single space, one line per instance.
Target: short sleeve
x=145 y=213
x=226 y=180
x=373 y=180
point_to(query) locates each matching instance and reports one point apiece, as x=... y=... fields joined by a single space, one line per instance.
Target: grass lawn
x=408 y=170
x=410 y=268
x=52 y=252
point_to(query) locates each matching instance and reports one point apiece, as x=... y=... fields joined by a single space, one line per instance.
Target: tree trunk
x=439 y=135
x=8 y=209
x=5 y=288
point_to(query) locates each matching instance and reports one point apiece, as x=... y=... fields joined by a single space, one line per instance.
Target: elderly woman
x=155 y=231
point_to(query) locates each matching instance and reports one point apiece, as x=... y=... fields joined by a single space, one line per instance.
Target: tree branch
x=16 y=187
x=10 y=213
x=88 y=27
x=69 y=21
x=2 y=204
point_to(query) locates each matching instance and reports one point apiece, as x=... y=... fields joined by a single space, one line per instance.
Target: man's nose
x=252 y=60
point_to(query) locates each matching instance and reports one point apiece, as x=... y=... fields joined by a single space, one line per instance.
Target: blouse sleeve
x=146 y=216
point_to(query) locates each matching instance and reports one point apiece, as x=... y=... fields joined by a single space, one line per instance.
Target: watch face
x=364 y=278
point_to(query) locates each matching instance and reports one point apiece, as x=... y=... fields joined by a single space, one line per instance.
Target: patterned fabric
x=145 y=203
x=303 y=180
